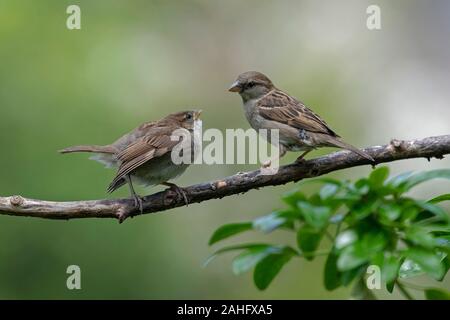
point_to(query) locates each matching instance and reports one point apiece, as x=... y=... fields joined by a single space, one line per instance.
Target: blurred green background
x=134 y=61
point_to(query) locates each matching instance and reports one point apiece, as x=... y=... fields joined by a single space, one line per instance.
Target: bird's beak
x=235 y=87
x=197 y=114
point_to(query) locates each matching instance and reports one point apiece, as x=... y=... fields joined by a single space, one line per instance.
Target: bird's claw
x=179 y=192
x=139 y=203
x=182 y=193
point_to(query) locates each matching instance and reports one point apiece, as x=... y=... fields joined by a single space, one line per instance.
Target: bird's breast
x=250 y=113
x=158 y=170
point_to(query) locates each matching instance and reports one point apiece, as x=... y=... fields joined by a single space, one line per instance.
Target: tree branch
x=428 y=148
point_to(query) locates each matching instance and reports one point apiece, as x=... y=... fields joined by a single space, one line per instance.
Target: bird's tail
x=335 y=142
x=87 y=148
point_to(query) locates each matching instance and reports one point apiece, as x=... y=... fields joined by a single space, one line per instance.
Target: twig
x=427 y=148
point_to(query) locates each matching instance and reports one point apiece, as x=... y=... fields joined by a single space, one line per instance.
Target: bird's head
x=186 y=119
x=251 y=85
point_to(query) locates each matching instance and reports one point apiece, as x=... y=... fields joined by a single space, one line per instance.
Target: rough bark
x=431 y=147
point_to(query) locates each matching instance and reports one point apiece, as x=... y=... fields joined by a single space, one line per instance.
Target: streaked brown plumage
x=144 y=154
x=300 y=129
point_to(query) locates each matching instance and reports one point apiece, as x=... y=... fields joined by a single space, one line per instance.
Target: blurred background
x=134 y=61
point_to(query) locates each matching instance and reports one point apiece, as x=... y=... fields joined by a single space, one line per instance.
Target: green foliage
x=229 y=230
x=437 y=294
x=369 y=222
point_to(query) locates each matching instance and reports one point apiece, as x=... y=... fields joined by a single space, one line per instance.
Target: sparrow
x=144 y=154
x=300 y=129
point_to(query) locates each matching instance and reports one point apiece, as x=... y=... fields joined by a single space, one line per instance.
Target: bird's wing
x=279 y=106
x=154 y=144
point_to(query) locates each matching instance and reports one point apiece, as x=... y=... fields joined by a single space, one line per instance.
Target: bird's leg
x=138 y=202
x=302 y=156
x=178 y=190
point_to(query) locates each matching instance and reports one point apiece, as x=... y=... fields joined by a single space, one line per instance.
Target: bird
x=144 y=154
x=299 y=128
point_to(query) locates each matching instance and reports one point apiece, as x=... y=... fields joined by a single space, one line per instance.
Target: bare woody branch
x=431 y=147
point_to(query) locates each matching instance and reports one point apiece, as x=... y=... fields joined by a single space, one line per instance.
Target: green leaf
x=348 y=276
x=229 y=230
x=361 y=252
x=234 y=248
x=291 y=198
x=396 y=181
x=390 y=211
x=337 y=218
x=443 y=241
x=389 y=269
x=443 y=197
x=438 y=229
x=434 y=209
x=351 y=257
x=360 y=187
x=378 y=176
x=409 y=214
x=347 y=198
x=274 y=220
x=267 y=269
x=315 y=200
x=390 y=286
x=315 y=216
x=248 y=259
x=446 y=262
x=437 y=294
x=308 y=239
x=420 y=236
x=360 y=291
x=418 y=178
x=428 y=261
x=328 y=191
x=363 y=208
x=388 y=264
x=268 y=223
x=332 y=276
x=345 y=238
x=362 y=183
x=409 y=269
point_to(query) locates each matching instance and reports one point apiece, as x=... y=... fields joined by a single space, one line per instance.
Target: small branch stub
x=16 y=201
x=397 y=144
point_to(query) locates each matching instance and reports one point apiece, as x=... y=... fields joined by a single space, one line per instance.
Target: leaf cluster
x=370 y=222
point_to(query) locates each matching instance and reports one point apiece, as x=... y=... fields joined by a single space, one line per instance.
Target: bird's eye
x=189 y=116
x=251 y=84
